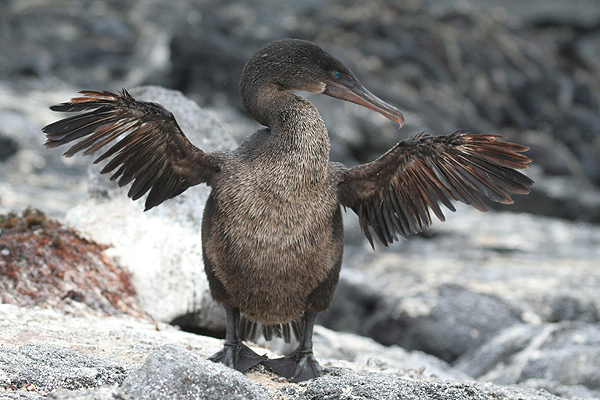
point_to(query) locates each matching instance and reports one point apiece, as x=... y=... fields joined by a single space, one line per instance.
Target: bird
x=272 y=231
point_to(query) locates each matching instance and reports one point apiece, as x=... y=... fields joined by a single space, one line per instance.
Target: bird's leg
x=234 y=353
x=301 y=364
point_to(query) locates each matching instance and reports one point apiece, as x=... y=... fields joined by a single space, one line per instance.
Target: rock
x=525 y=260
x=162 y=247
x=566 y=308
x=441 y=321
x=473 y=262
x=341 y=384
x=366 y=355
x=44 y=263
x=8 y=148
x=577 y=13
x=561 y=187
x=466 y=66
x=569 y=197
x=47 y=367
x=564 y=354
x=102 y=393
x=90 y=45
x=484 y=78
x=34 y=176
x=175 y=373
x=86 y=357
x=43 y=350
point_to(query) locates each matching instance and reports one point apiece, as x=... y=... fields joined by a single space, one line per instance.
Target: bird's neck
x=299 y=129
x=298 y=141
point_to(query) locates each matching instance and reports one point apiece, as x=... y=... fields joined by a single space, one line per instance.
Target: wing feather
x=392 y=195
x=147 y=145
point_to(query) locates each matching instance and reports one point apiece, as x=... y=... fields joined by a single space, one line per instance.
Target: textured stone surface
x=566 y=353
x=446 y=322
x=341 y=384
x=48 y=354
x=45 y=263
x=175 y=373
x=47 y=367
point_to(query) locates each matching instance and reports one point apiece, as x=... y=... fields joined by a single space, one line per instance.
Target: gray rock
x=48 y=367
x=102 y=393
x=566 y=353
x=493 y=76
x=45 y=351
x=175 y=373
x=446 y=321
x=34 y=176
x=446 y=294
x=366 y=355
x=157 y=361
x=538 y=265
x=8 y=147
x=580 y=13
x=342 y=384
x=484 y=78
x=440 y=321
x=568 y=197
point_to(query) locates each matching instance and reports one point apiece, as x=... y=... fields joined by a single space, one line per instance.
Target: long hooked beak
x=358 y=94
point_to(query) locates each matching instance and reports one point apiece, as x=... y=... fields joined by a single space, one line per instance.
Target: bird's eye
x=337 y=75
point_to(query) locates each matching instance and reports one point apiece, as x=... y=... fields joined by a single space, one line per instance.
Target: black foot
x=296 y=366
x=239 y=357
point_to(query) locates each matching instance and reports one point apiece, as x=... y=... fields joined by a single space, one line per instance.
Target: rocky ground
x=501 y=305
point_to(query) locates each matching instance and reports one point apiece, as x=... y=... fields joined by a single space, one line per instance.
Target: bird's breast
x=272 y=237
x=277 y=205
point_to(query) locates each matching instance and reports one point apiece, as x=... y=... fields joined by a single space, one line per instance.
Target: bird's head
x=293 y=64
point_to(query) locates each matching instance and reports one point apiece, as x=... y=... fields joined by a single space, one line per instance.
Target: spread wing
x=146 y=144
x=393 y=194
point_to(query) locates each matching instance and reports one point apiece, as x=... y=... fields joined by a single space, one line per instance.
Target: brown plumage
x=393 y=194
x=272 y=230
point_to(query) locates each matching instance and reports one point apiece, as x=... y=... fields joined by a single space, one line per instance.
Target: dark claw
x=239 y=357
x=296 y=366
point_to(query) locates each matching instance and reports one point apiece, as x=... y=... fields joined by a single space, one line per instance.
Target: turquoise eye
x=337 y=75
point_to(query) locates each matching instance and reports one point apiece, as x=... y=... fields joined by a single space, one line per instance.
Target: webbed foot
x=297 y=366
x=239 y=357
